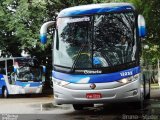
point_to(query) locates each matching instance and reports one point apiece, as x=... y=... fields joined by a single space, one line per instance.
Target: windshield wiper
x=78 y=55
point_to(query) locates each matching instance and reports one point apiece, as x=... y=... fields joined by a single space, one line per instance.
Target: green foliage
x=20 y=21
x=151 y=11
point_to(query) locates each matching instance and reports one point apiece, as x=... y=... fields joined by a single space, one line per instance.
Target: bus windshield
x=97 y=41
x=28 y=70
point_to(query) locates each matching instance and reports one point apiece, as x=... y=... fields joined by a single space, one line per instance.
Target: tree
x=20 y=21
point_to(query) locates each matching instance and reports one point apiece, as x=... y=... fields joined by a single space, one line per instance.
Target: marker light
x=60 y=82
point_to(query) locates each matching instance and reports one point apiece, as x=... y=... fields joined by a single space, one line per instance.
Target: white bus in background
x=21 y=75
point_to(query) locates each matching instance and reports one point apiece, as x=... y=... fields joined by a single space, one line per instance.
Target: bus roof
x=95 y=9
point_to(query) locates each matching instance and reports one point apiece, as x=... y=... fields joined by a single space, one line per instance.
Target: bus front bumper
x=130 y=92
x=14 y=89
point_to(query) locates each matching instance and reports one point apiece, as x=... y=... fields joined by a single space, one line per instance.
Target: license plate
x=93 y=95
x=28 y=91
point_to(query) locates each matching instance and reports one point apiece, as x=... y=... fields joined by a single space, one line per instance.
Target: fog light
x=56 y=96
x=135 y=92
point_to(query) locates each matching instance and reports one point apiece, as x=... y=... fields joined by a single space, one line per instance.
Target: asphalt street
x=43 y=108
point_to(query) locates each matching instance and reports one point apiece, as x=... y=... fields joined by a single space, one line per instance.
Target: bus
x=96 y=55
x=21 y=75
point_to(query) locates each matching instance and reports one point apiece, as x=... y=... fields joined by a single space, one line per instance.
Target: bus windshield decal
x=72 y=20
x=92 y=71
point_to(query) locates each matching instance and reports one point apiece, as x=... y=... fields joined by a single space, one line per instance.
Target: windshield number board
x=126 y=73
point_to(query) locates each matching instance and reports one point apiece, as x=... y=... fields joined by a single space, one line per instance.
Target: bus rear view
x=96 y=55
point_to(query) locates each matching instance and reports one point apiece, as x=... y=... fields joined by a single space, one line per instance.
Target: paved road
x=43 y=108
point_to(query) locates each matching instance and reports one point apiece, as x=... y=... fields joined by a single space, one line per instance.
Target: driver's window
x=9 y=67
x=2 y=68
x=10 y=72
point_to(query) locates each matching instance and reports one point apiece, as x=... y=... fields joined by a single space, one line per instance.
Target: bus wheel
x=149 y=93
x=81 y=106
x=138 y=105
x=4 y=92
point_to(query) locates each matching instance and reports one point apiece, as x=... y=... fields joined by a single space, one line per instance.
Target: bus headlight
x=60 y=82
x=129 y=79
x=124 y=80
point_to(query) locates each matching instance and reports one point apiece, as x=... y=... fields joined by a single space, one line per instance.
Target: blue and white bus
x=20 y=75
x=96 y=55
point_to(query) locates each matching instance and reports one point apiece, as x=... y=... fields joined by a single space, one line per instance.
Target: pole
x=158 y=72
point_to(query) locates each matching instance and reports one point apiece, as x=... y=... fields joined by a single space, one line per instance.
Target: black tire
x=138 y=104
x=148 y=96
x=78 y=107
x=4 y=92
x=144 y=87
x=81 y=106
x=28 y=95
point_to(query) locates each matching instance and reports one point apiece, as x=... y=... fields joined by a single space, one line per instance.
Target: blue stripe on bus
x=142 y=31
x=43 y=38
x=94 y=11
x=30 y=84
x=2 y=83
x=96 y=78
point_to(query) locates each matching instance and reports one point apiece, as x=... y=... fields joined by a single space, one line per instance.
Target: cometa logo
x=92 y=71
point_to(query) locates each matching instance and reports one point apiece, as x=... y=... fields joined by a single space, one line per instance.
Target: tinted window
x=2 y=67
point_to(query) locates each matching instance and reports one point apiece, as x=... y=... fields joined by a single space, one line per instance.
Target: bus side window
x=9 y=67
x=2 y=67
x=10 y=72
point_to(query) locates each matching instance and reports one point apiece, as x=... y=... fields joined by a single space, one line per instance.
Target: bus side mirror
x=141 y=26
x=44 y=69
x=43 y=31
x=14 y=69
